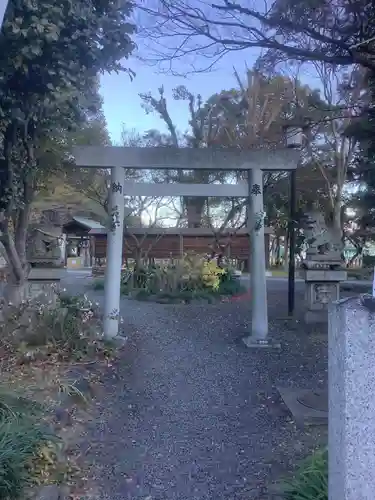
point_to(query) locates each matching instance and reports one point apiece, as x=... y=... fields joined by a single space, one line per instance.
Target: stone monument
x=45 y=256
x=351 y=375
x=322 y=269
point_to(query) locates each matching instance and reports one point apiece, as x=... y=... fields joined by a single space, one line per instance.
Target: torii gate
x=251 y=161
x=254 y=162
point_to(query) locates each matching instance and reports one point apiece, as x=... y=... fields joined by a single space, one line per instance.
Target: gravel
x=194 y=414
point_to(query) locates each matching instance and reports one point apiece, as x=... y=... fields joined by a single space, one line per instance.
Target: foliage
x=22 y=445
x=98 y=284
x=311 y=480
x=369 y=261
x=199 y=135
x=251 y=115
x=192 y=273
x=192 y=277
x=89 y=185
x=51 y=56
x=211 y=275
x=230 y=285
x=69 y=326
x=72 y=326
x=364 y=172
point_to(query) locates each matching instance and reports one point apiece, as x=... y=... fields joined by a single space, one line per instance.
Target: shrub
x=230 y=285
x=368 y=261
x=311 y=480
x=71 y=325
x=185 y=279
x=98 y=284
x=192 y=273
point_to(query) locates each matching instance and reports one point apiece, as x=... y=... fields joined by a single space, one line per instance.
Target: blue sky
x=122 y=104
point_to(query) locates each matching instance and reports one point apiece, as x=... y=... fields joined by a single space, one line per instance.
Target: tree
x=337 y=32
x=89 y=182
x=253 y=114
x=198 y=136
x=330 y=148
x=50 y=58
x=363 y=172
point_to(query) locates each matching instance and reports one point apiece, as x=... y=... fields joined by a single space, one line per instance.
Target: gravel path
x=193 y=414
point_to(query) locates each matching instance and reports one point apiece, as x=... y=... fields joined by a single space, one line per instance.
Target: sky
x=122 y=104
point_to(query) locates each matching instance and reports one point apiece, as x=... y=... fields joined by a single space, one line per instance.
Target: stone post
x=351 y=416
x=115 y=236
x=259 y=313
x=322 y=286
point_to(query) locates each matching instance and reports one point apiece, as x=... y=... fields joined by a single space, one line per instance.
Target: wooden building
x=79 y=243
x=164 y=243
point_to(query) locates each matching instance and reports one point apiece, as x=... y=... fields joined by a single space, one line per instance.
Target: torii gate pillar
x=115 y=237
x=259 y=319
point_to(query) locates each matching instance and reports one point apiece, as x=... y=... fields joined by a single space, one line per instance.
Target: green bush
x=230 y=285
x=98 y=284
x=184 y=280
x=368 y=261
x=21 y=438
x=311 y=479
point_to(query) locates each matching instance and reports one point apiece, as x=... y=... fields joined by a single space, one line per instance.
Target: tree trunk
x=337 y=222
x=278 y=251
x=14 y=290
x=15 y=251
x=194 y=209
x=20 y=236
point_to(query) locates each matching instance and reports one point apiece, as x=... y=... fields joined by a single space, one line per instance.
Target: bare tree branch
x=336 y=32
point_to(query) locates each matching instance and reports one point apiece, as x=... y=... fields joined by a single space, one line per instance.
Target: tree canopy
x=50 y=58
x=251 y=114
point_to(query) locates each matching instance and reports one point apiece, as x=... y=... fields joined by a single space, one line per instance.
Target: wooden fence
x=155 y=243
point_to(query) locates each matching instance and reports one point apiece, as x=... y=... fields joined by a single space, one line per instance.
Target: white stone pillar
x=351 y=393
x=258 y=291
x=114 y=253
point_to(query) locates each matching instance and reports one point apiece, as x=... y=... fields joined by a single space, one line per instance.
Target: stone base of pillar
x=254 y=343
x=322 y=288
